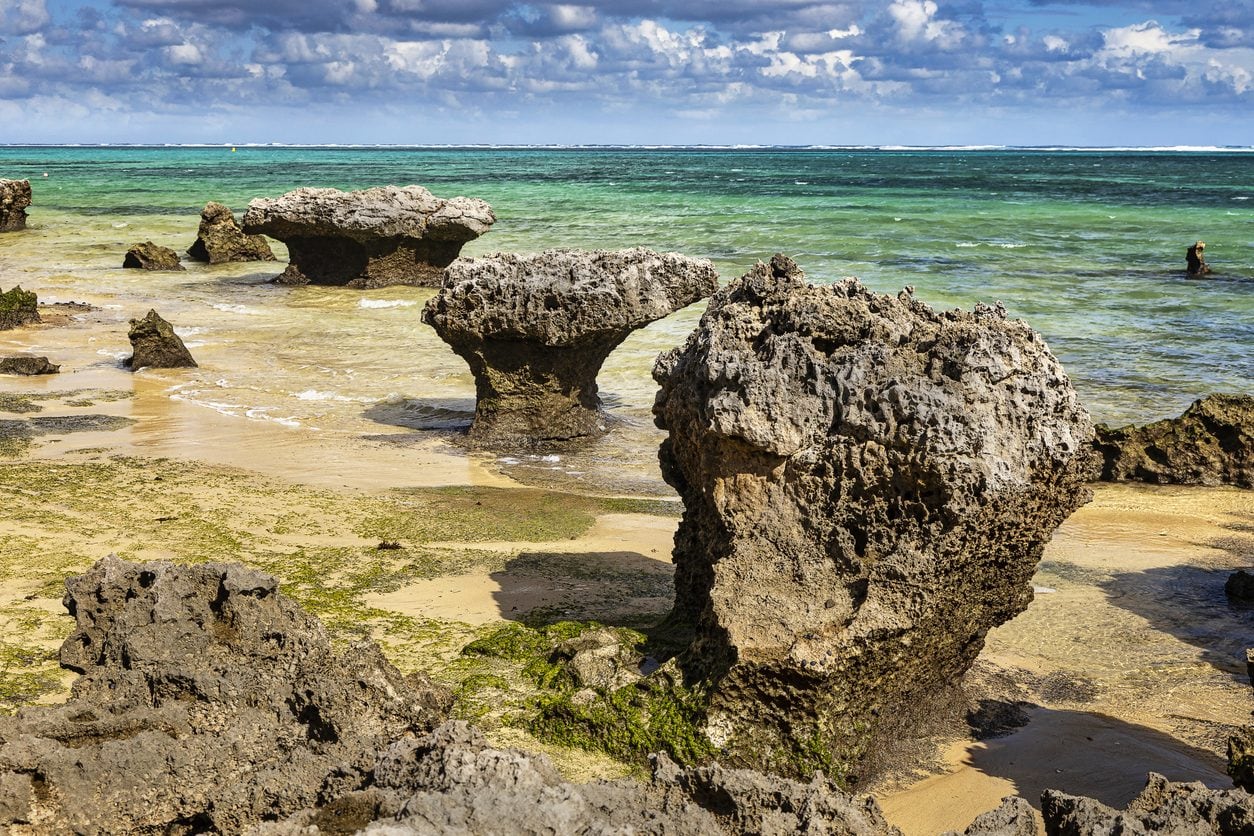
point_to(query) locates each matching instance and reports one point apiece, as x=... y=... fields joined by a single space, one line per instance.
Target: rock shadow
x=1188 y=601
x=443 y=415
x=617 y=588
x=1091 y=754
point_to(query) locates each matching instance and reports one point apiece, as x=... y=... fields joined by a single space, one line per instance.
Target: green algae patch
x=20 y=403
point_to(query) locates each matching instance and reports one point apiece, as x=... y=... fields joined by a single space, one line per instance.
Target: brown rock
x=156 y=345
x=220 y=239
x=15 y=197
x=27 y=364
x=17 y=308
x=150 y=256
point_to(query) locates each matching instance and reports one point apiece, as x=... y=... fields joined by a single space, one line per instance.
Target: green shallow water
x=1087 y=246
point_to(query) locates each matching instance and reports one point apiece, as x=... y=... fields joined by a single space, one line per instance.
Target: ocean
x=1086 y=245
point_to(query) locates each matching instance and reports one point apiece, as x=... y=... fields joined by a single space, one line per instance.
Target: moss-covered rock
x=17 y=308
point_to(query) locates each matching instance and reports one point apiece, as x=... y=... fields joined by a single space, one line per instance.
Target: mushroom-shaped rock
x=17 y=308
x=1212 y=443
x=15 y=196
x=868 y=485
x=220 y=239
x=27 y=364
x=371 y=238
x=207 y=702
x=535 y=330
x=150 y=256
x=156 y=346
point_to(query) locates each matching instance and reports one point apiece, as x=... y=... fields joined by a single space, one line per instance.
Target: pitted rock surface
x=156 y=346
x=1162 y=807
x=371 y=238
x=452 y=782
x=220 y=239
x=535 y=330
x=868 y=485
x=1212 y=443
x=150 y=256
x=15 y=197
x=17 y=308
x=207 y=702
x=27 y=364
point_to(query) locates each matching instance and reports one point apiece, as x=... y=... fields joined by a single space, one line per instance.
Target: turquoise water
x=1087 y=246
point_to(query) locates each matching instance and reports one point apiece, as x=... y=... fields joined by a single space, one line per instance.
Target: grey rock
x=1163 y=808
x=150 y=256
x=27 y=364
x=156 y=346
x=207 y=701
x=17 y=308
x=15 y=197
x=535 y=330
x=868 y=485
x=1212 y=443
x=1014 y=817
x=220 y=239
x=599 y=659
x=371 y=238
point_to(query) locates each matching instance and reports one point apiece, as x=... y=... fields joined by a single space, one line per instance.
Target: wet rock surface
x=1162 y=807
x=27 y=364
x=206 y=702
x=156 y=346
x=370 y=238
x=17 y=308
x=150 y=256
x=1212 y=443
x=220 y=239
x=868 y=486
x=15 y=197
x=535 y=330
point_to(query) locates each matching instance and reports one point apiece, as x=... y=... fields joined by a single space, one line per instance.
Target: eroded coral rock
x=17 y=308
x=27 y=364
x=1162 y=807
x=207 y=702
x=535 y=330
x=150 y=256
x=371 y=238
x=868 y=485
x=1212 y=443
x=156 y=346
x=1013 y=817
x=220 y=239
x=15 y=197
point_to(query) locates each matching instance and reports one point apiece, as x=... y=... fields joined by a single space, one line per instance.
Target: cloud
x=22 y=17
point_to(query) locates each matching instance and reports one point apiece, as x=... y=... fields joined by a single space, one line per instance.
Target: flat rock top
x=559 y=297
x=380 y=212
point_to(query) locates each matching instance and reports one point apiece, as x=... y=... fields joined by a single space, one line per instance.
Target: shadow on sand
x=441 y=414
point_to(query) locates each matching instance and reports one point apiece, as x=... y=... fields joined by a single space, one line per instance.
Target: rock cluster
x=535 y=330
x=220 y=239
x=1212 y=443
x=150 y=256
x=17 y=308
x=371 y=238
x=207 y=702
x=868 y=485
x=27 y=364
x=1162 y=807
x=15 y=197
x=156 y=346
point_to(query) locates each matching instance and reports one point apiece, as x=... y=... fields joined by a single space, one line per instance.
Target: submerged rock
x=535 y=330
x=1195 y=261
x=868 y=485
x=27 y=364
x=1162 y=807
x=150 y=256
x=371 y=238
x=15 y=197
x=220 y=239
x=1212 y=443
x=206 y=702
x=156 y=346
x=17 y=308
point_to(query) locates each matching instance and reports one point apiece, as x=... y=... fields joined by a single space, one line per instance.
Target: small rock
x=150 y=256
x=220 y=239
x=17 y=308
x=27 y=364
x=156 y=345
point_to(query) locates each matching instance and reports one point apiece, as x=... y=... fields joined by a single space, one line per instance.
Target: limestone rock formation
x=1014 y=817
x=868 y=485
x=1212 y=443
x=15 y=197
x=1162 y=807
x=371 y=238
x=17 y=308
x=156 y=346
x=207 y=702
x=452 y=782
x=535 y=330
x=27 y=364
x=220 y=239
x=150 y=256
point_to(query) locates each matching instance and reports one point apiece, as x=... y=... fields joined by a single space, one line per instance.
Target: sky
x=770 y=72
